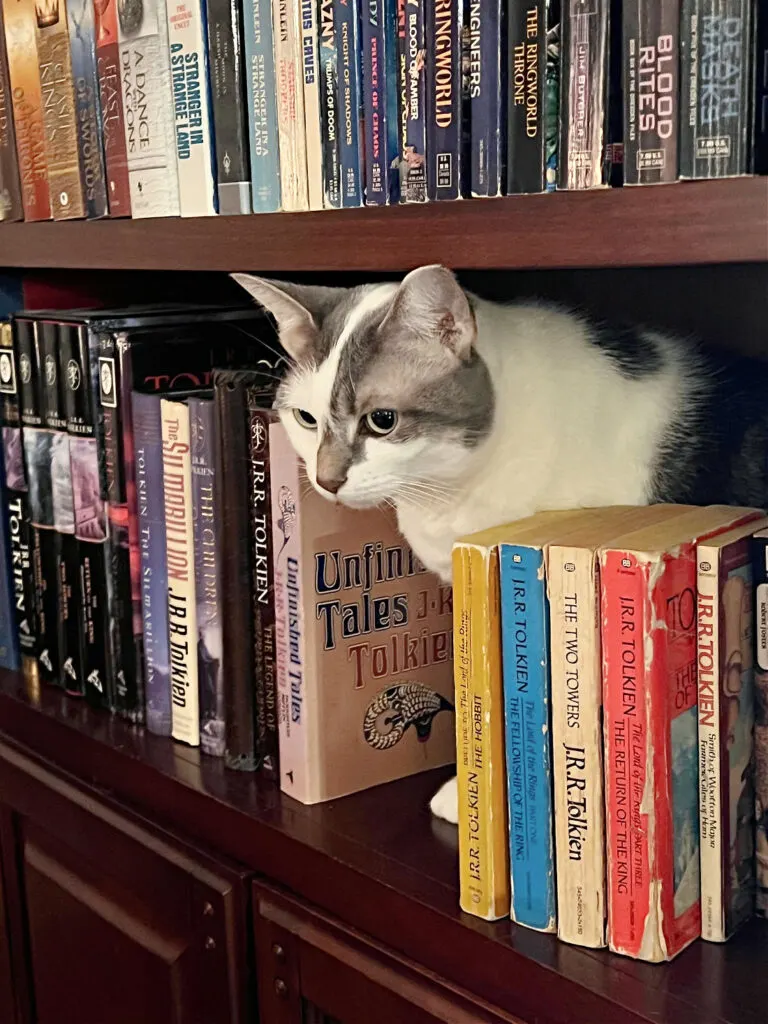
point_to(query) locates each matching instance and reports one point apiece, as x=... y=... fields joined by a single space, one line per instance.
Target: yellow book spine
x=480 y=769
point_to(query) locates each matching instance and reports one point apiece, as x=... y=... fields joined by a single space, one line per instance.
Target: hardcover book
x=347 y=26
x=760 y=577
x=412 y=57
x=85 y=81
x=291 y=130
x=364 y=642
x=445 y=141
x=230 y=123
x=9 y=641
x=59 y=118
x=725 y=653
x=24 y=74
x=648 y=614
x=329 y=105
x=262 y=105
x=147 y=109
x=10 y=187
x=651 y=32
x=112 y=114
x=487 y=97
x=378 y=33
x=312 y=117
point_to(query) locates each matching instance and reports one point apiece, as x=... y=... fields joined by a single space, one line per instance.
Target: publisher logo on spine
x=25 y=368
x=73 y=375
x=50 y=370
x=7 y=374
x=107 y=381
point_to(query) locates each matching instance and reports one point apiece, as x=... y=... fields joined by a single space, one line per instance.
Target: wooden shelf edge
x=687 y=223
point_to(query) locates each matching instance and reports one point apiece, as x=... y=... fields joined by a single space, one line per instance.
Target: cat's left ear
x=431 y=303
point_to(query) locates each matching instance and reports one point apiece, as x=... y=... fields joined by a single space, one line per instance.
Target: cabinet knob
x=279 y=952
x=281 y=988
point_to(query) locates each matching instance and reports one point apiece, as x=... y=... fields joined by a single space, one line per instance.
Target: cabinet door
x=314 y=970
x=7 y=999
x=125 y=924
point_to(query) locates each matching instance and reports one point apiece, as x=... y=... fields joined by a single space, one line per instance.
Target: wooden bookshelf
x=687 y=223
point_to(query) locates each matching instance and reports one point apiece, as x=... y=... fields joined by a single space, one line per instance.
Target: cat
x=464 y=414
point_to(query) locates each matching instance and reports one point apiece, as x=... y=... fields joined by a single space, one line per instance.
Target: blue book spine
x=487 y=94
x=379 y=48
x=148 y=450
x=347 y=26
x=85 y=82
x=262 y=106
x=444 y=19
x=525 y=652
x=9 y=644
x=329 y=104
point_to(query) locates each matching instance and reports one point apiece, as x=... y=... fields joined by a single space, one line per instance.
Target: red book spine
x=110 y=92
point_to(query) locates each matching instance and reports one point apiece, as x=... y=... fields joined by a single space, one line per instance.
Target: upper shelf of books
x=687 y=223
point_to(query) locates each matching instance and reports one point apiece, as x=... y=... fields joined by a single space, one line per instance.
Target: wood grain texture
x=687 y=223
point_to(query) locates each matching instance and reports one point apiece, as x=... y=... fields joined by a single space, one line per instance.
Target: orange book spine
x=20 y=23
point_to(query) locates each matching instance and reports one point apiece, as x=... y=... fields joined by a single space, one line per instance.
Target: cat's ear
x=297 y=308
x=431 y=303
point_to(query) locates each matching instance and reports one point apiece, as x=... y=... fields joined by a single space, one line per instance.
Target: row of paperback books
x=610 y=743
x=168 y=565
x=194 y=107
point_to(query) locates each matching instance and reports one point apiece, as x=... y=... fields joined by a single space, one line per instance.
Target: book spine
x=577 y=748
x=19 y=23
x=290 y=106
x=412 y=77
x=487 y=88
x=760 y=86
x=329 y=105
x=263 y=585
x=346 y=22
x=312 y=118
x=59 y=118
x=298 y=772
x=526 y=119
x=148 y=455
x=760 y=570
x=11 y=207
x=525 y=655
x=376 y=110
x=229 y=106
x=15 y=497
x=262 y=106
x=147 y=110
x=112 y=113
x=444 y=98
x=180 y=554
x=651 y=91
x=232 y=498
x=584 y=94
x=484 y=877
x=207 y=576
x=9 y=644
x=86 y=88
x=715 y=58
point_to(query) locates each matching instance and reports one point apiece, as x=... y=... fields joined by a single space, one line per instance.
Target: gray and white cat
x=464 y=414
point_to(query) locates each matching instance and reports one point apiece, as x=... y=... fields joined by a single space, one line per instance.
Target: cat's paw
x=445 y=803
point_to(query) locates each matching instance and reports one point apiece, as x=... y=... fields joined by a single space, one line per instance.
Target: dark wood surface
x=379 y=862
x=687 y=223
x=7 y=997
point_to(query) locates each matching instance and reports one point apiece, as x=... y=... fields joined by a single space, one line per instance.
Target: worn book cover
x=364 y=644
x=329 y=105
x=760 y=579
x=378 y=34
x=411 y=76
x=290 y=106
x=648 y=615
x=85 y=82
x=20 y=27
x=487 y=96
x=312 y=116
x=225 y=52
x=725 y=651
x=112 y=114
x=445 y=137
x=347 y=26
x=11 y=207
x=262 y=105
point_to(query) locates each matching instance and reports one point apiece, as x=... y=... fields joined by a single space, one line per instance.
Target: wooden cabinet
x=7 y=999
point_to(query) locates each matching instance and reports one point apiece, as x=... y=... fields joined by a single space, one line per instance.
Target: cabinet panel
x=7 y=1001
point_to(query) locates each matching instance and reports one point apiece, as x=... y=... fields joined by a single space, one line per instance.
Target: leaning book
x=364 y=643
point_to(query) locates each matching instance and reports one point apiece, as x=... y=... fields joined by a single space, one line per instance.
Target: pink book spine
x=289 y=617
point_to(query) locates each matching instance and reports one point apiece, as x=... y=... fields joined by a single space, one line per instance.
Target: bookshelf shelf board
x=379 y=862
x=686 y=223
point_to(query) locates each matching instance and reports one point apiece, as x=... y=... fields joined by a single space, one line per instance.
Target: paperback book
x=112 y=115
x=85 y=82
x=760 y=577
x=11 y=207
x=262 y=105
x=329 y=105
x=347 y=30
x=487 y=92
x=412 y=58
x=290 y=106
x=445 y=106
x=312 y=117
x=230 y=122
x=378 y=33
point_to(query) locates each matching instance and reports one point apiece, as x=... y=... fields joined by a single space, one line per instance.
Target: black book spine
x=760 y=98
x=78 y=374
x=526 y=115
x=17 y=506
x=487 y=91
x=225 y=34
x=68 y=555
x=37 y=461
x=444 y=98
x=329 y=104
x=715 y=73
x=651 y=91
x=262 y=584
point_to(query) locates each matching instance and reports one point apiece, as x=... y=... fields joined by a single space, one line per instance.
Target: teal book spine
x=262 y=105
x=525 y=655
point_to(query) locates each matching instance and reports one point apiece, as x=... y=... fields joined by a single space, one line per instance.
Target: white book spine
x=187 y=35
x=577 y=753
x=180 y=555
x=148 y=112
x=291 y=128
x=710 y=783
x=311 y=68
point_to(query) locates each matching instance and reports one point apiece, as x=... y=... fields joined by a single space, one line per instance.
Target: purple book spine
x=209 y=631
x=148 y=452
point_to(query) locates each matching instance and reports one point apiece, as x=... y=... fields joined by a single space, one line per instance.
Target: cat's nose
x=332 y=484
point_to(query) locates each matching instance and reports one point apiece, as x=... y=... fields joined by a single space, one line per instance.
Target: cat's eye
x=381 y=421
x=306 y=419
